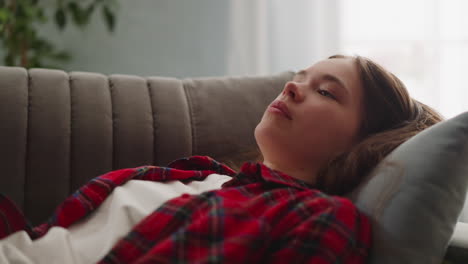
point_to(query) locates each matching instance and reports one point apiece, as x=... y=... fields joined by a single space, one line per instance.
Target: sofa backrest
x=59 y=130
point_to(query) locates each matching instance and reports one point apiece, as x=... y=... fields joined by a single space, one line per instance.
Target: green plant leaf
x=60 y=18
x=20 y=13
x=10 y=60
x=4 y=15
x=78 y=14
x=41 y=16
x=29 y=11
x=42 y=46
x=89 y=10
x=61 y=56
x=22 y=38
x=109 y=18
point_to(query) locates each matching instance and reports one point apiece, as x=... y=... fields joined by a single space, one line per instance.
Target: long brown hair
x=391 y=117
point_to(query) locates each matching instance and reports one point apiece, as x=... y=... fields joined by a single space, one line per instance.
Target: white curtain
x=424 y=42
x=269 y=36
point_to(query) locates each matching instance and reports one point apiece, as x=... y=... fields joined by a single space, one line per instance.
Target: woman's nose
x=292 y=90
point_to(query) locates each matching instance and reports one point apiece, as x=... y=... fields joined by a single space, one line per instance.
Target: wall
x=177 y=38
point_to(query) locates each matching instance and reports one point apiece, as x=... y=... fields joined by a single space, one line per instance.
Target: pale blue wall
x=179 y=38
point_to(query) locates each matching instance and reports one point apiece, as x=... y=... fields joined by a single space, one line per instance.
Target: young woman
x=324 y=132
x=344 y=115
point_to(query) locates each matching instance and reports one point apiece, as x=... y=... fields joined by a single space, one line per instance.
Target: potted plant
x=19 y=38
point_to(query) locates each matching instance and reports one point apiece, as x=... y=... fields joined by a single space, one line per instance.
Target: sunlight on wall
x=425 y=43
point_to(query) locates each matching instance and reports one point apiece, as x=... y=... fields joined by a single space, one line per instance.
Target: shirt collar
x=251 y=172
x=201 y=163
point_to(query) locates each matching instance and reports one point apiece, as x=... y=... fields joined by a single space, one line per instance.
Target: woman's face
x=316 y=117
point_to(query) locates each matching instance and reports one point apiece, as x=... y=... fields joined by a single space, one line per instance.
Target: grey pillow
x=415 y=195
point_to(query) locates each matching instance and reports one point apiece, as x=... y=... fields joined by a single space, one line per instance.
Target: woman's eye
x=326 y=93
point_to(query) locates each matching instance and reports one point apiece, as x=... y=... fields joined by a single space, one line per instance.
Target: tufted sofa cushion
x=58 y=129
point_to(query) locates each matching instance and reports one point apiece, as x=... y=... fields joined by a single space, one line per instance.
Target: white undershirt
x=90 y=239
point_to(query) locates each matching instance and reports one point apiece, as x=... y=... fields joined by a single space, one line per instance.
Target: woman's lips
x=279 y=106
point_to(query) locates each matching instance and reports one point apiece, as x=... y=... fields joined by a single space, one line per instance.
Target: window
x=425 y=43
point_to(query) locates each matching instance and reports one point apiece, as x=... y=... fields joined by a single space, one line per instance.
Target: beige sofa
x=59 y=130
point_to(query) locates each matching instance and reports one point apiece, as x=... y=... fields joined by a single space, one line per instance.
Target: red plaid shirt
x=261 y=215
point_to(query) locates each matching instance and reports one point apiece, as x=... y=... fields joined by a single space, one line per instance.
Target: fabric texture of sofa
x=60 y=129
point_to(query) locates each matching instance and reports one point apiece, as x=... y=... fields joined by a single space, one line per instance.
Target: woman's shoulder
x=336 y=220
x=318 y=202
